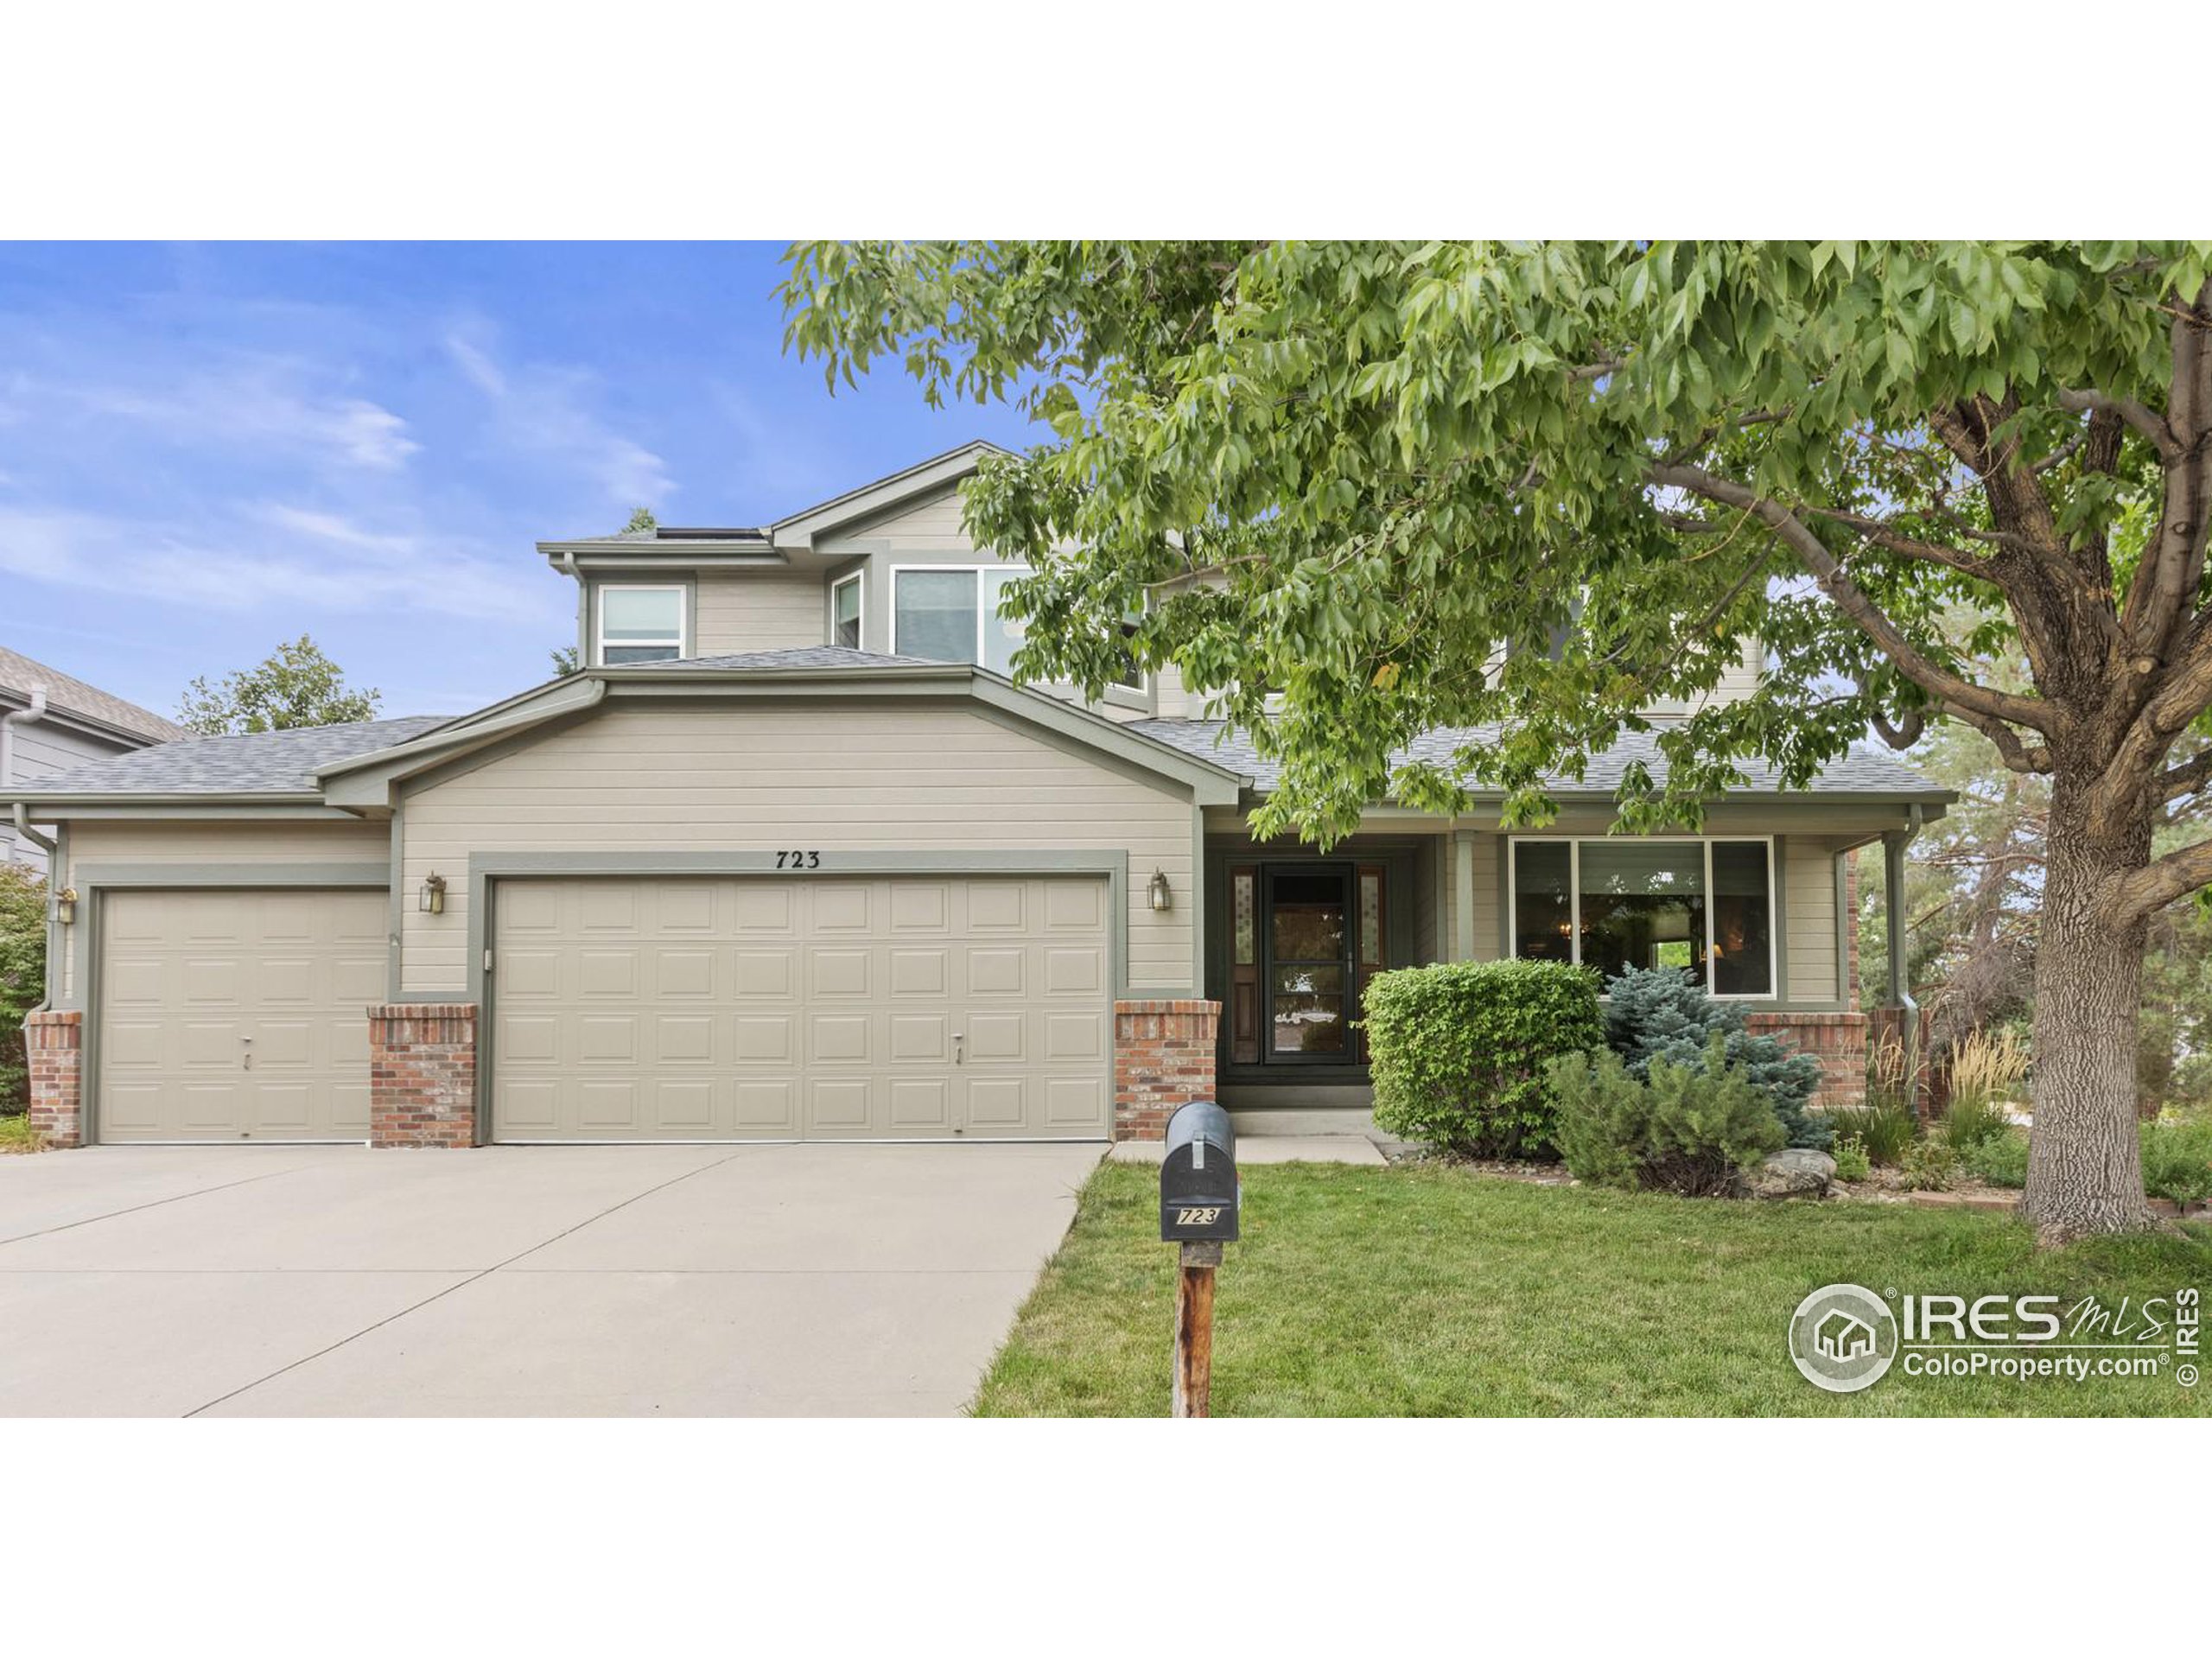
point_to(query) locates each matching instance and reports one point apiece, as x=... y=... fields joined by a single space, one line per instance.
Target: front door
x=1307 y=975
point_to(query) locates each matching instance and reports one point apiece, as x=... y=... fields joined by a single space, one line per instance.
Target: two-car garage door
x=814 y=1007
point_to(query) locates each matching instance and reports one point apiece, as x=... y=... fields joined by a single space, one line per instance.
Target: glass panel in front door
x=1309 y=959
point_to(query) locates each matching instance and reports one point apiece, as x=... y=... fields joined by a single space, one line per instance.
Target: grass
x=17 y=1136
x=1427 y=1290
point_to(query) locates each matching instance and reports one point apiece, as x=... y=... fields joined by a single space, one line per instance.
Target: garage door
x=230 y=1014
x=889 y=1009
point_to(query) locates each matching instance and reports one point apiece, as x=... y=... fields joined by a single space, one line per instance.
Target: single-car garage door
x=810 y=1007
x=237 y=1013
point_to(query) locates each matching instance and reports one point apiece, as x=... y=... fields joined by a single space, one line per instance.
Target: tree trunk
x=2085 y=1169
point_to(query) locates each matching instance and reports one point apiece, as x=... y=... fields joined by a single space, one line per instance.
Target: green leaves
x=297 y=685
x=1396 y=487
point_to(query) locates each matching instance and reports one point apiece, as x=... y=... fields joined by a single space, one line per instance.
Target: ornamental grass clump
x=1458 y=1052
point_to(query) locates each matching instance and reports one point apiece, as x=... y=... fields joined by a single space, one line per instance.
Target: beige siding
x=1489 y=900
x=761 y=610
x=1808 y=868
x=189 y=844
x=897 y=779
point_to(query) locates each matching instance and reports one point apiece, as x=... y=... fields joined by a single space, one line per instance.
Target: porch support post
x=1463 y=896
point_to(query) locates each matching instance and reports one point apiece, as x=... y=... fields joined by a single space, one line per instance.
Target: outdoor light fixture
x=433 y=898
x=65 y=907
x=1163 y=897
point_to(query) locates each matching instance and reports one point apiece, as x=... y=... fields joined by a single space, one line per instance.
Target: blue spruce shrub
x=1652 y=1012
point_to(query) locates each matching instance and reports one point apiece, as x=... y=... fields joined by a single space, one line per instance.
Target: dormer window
x=638 y=625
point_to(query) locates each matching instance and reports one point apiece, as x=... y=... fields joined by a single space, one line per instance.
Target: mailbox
x=1198 y=1189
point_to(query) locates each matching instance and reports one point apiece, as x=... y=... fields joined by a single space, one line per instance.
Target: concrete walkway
x=518 y=1281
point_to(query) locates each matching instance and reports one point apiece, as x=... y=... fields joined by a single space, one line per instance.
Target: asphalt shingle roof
x=252 y=763
x=69 y=694
x=1863 y=771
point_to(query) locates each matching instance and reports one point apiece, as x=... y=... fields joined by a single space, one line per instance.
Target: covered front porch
x=1759 y=903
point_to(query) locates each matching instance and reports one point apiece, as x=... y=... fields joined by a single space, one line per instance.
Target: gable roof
x=682 y=544
x=68 y=695
x=1863 y=772
x=248 y=763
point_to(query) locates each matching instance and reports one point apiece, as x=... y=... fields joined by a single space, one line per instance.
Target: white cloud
x=544 y=410
x=267 y=403
x=274 y=557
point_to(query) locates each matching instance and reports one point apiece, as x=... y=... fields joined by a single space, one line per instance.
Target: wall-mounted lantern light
x=65 y=907
x=1163 y=897
x=432 y=899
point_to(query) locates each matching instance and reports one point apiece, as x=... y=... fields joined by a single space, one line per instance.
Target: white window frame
x=859 y=607
x=599 y=618
x=897 y=570
x=1775 y=897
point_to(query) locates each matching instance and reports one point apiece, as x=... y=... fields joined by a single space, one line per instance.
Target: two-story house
x=791 y=857
x=52 y=722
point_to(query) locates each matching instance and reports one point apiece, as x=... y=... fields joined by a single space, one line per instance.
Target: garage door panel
x=232 y=1013
x=807 y=1007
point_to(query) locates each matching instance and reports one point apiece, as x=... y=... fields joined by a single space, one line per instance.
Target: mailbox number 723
x=1197 y=1217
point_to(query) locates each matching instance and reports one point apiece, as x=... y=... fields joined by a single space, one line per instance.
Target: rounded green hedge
x=1457 y=1051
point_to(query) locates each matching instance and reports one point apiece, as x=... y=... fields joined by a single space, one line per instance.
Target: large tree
x=1390 y=460
x=295 y=685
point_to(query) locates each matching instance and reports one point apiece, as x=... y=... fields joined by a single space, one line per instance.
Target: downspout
x=567 y=564
x=23 y=829
x=27 y=716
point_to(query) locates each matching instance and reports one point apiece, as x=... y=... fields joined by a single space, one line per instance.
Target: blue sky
x=205 y=450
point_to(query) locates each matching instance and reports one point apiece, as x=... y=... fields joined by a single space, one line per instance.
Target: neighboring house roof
x=68 y=695
x=1859 y=773
x=248 y=763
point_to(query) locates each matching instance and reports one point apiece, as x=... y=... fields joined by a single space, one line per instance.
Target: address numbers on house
x=809 y=859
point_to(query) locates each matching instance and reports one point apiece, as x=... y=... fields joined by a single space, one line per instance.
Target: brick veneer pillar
x=423 y=1074
x=1837 y=1041
x=1163 y=1057
x=53 y=1042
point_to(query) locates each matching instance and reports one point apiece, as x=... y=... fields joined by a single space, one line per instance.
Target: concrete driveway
x=518 y=1281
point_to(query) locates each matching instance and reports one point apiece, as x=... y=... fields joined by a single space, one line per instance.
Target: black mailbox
x=1198 y=1189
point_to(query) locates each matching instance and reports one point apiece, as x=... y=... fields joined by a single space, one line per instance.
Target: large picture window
x=950 y=614
x=1704 y=906
x=640 y=625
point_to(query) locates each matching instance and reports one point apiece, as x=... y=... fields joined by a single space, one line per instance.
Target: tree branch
x=2144 y=420
x=2161 y=881
x=1963 y=697
x=2186 y=779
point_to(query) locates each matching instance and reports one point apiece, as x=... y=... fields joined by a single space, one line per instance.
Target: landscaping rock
x=1799 y=1172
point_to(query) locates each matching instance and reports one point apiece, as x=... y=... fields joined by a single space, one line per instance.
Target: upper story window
x=1704 y=906
x=949 y=613
x=640 y=625
x=845 y=612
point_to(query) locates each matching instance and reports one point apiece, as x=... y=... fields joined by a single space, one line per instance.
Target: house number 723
x=798 y=861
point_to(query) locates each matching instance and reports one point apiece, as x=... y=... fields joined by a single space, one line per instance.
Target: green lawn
x=1422 y=1290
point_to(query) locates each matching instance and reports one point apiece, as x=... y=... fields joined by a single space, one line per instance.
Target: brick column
x=423 y=1074
x=53 y=1042
x=1837 y=1041
x=1163 y=1057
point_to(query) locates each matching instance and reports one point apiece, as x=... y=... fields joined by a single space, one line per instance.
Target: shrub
x=1686 y=1128
x=1650 y=1011
x=22 y=974
x=2178 y=1162
x=2001 y=1161
x=1852 y=1163
x=1928 y=1167
x=1458 y=1051
x=1969 y=1120
x=1885 y=1127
